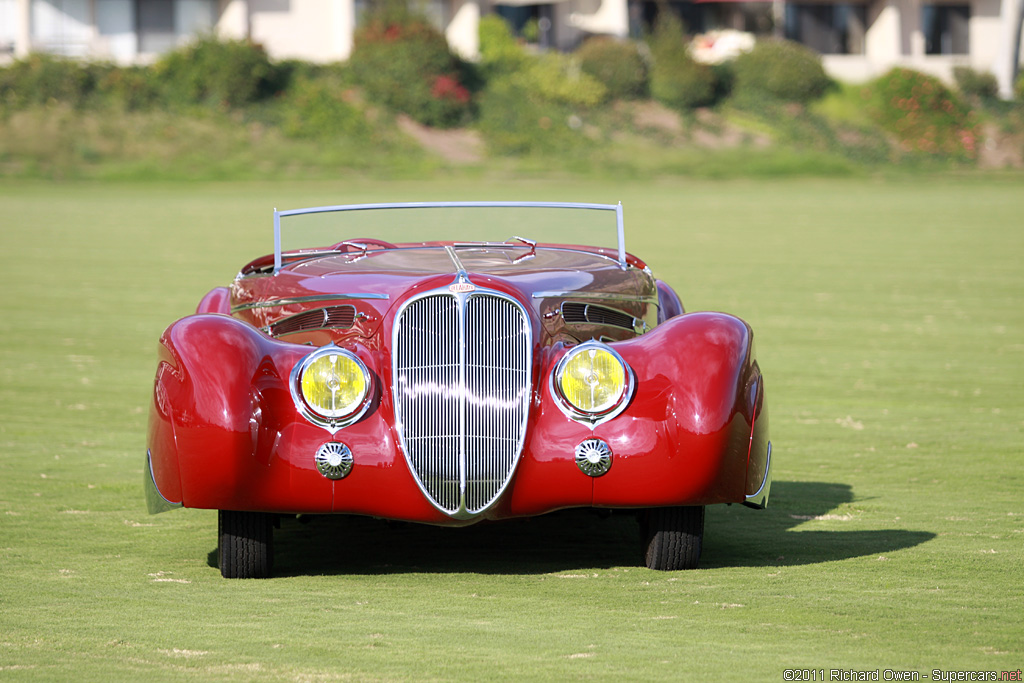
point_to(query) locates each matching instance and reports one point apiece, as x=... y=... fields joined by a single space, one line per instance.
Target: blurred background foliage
x=224 y=109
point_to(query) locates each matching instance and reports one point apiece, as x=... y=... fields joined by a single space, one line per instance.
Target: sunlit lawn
x=890 y=327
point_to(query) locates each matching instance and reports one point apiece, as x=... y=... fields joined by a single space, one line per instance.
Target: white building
x=858 y=39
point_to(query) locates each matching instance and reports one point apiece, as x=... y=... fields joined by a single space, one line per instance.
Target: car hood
x=540 y=277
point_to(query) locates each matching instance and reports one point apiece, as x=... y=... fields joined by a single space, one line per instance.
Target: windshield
x=373 y=225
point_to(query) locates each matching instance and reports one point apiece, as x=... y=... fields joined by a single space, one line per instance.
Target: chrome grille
x=462 y=384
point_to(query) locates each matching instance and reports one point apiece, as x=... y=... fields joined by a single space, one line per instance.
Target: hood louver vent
x=574 y=312
x=332 y=316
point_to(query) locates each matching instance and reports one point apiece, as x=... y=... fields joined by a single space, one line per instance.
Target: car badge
x=461 y=287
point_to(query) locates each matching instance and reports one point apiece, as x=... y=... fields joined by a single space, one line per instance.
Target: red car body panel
x=225 y=434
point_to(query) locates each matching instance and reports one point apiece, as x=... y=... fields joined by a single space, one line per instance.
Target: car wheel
x=672 y=537
x=245 y=544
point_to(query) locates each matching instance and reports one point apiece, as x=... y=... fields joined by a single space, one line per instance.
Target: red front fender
x=225 y=432
x=685 y=438
x=699 y=389
x=217 y=401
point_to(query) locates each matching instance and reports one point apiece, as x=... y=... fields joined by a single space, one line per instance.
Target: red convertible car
x=453 y=381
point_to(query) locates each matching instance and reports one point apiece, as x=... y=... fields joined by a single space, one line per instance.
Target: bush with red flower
x=924 y=115
x=404 y=63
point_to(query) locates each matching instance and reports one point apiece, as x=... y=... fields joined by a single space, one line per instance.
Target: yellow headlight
x=592 y=379
x=334 y=384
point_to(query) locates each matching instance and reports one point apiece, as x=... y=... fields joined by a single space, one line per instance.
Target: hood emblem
x=461 y=287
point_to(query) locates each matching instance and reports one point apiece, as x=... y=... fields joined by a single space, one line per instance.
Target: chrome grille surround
x=462 y=361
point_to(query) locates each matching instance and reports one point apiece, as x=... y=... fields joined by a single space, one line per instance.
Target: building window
x=752 y=17
x=945 y=29
x=61 y=27
x=156 y=26
x=8 y=25
x=533 y=23
x=835 y=29
x=164 y=24
x=702 y=16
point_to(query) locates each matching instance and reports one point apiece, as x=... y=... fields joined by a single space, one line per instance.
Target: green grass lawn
x=890 y=327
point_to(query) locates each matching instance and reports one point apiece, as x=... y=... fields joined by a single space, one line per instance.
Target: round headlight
x=592 y=378
x=333 y=383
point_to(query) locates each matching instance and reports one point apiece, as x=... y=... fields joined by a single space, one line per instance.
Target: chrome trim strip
x=306 y=299
x=620 y=227
x=546 y=247
x=557 y=294
x=759 y=499
x=450 y=205
x=463 y=393
x=155 y=501
x=277 y=241
x=617 y=208
x=457 y=262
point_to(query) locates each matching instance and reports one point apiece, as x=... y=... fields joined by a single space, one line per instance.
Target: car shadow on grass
x=803 y=524
x=575 y=539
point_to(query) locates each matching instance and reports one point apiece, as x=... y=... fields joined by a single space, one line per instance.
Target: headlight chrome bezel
x=592 y=418
x=332 y=423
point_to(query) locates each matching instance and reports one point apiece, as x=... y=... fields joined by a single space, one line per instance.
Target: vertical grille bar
x=462 y=382
x=496 y=385
x=426 y=394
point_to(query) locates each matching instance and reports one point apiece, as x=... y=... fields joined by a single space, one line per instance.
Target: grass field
x=890 y=327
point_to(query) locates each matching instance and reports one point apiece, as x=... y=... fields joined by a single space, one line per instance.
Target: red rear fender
x=217 y=300
x=669 y=305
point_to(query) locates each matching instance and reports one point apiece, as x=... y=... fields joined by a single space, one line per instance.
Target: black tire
x=672 y=537
x=245 y=544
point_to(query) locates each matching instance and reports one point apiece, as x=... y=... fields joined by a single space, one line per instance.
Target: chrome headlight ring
x=335 y=417
x=606 y=410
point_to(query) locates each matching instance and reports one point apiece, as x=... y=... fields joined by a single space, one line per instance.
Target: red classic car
x=450 y=382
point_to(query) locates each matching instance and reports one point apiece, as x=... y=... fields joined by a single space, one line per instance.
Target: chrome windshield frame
x=617 y=208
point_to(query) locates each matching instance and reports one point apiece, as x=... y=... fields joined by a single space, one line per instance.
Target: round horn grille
x=594 y=457
x=334 y=460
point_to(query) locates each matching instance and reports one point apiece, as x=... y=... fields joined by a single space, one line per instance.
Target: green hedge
x=230 y=73
x=500 y=51
x=132 y=88
x=558 y=78
x=42 y=79
x=780 y=70
x=677 y=81
x=323 y=108
x=617 y=64
x=971 y=83
x=514 y=120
